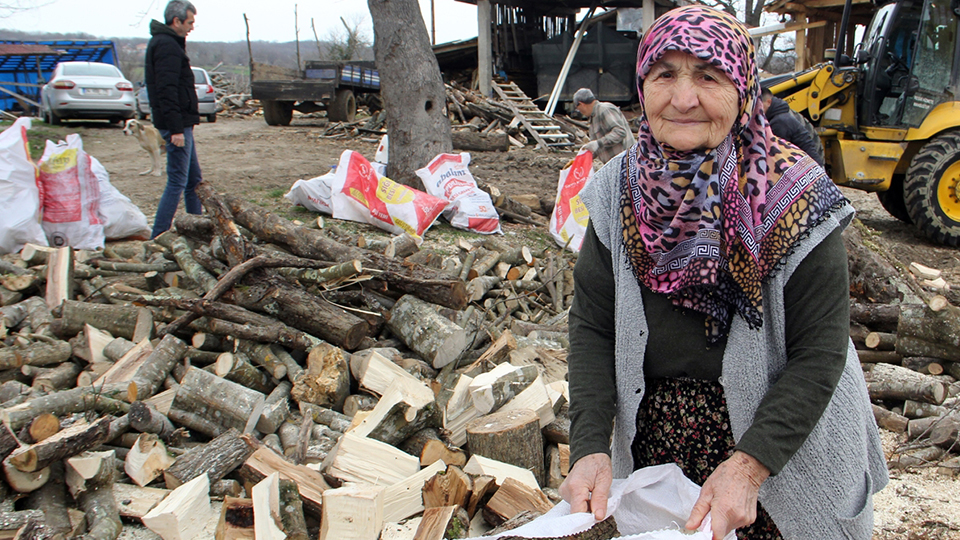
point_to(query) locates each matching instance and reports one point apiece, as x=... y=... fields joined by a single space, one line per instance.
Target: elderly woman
x=710 y=319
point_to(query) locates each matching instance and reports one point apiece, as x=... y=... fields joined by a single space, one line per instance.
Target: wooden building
x=816 y=24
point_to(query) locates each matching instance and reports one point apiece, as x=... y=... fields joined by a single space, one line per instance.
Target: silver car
x=206 y=97
x=87 y=90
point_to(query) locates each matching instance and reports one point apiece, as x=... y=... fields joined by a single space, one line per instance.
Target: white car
x=206 y=97
x=87 y=90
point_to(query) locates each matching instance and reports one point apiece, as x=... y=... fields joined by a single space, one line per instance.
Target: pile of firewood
x=312 y=385
x=908 y=341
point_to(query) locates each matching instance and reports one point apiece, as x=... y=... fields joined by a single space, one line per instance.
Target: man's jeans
x=183 y=175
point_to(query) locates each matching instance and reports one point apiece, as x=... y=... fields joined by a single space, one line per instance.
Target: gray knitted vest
x=825 y=490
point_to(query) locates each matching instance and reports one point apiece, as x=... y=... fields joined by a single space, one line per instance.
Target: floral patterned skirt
x=685 y=421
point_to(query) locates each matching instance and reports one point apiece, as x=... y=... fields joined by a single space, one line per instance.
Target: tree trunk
x=477 y=142
x=411 y=88
x=216 y=459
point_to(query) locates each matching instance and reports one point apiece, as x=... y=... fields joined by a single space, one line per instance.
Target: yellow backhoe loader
x=889 y=114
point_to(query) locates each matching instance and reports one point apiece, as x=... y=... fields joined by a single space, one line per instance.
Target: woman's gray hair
x=177 y=9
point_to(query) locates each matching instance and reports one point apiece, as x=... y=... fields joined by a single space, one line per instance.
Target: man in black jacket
x=790 y=125
x=173 y=106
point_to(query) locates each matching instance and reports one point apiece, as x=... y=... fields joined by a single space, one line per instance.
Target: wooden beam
x=781 y=28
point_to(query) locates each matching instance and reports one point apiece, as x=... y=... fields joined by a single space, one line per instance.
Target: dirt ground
x=248 y=158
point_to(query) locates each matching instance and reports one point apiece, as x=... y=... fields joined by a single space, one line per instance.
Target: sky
x=222 y=20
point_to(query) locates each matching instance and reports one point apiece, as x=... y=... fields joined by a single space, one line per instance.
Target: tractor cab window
x=892 y=41
x=931 y=77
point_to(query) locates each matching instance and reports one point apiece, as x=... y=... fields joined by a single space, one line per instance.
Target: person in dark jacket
x=173 y=105
x=788 y=124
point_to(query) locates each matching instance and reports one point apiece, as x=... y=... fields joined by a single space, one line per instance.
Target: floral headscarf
x=705 y=227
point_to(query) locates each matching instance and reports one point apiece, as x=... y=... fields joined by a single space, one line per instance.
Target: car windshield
x=198 y=77
x=94 y=70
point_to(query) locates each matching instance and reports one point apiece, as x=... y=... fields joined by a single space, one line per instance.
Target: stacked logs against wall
x=246 y=358
x=908 y=341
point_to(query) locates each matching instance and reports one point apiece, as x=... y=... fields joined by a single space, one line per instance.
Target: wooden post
x=484 y=48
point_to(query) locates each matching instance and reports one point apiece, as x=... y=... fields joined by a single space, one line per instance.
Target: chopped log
x=564 y=459
x=51 y=499
x=276 y=408
x=881 y=341
x=310 y=483
x=236 y=520
x=236 y=367
x=368 y=461
x=206 y=341
x=882 y=317
x=327 y=417
x=59 y=277
x=512 y=498
x=499 y=351
x=553 y=469
x=87 y=470
x=484 y=486
x=263 y=356
x=267 y=524
x=124 y=368
x=135 y=502
x=74 y=439
x=510 y=437
x=477 y=142
x=146 y=380
x=536 y=398
x=36 y=354
x=405 y=408
x=459 y=411
x=558 y=431
x=24 y=482
x=147 y=459
x=120 y=321
x=868 y=356
x=917 y=458
x=889 y=420
x=184 y=513
x=100 y=506
x=886 y=381
x=946 y=433
x=916 y=409
x=428 y=284
x=358 y=402
x=326 y=381
x=146 y=419
x=427 y=444
x=220 y=402
x=443 y=522
x=100 y=399
x=479 y=465
x=183 y=254
x=375 y=372
x=215 y=459
x=117 y=348
x=924 y=332
x=352 y=512
x=405 y=498
x=451 y=487
x=435 y=338
x=491 y=390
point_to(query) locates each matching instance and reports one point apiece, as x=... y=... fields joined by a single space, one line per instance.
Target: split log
x=405 y=408
x=375 y=372
x=264 y=462
x=890 y=420
x=499 y=351
x=326 y=380
x=452 y=487
x=553 y=470
x=219 y=402
x=484 y=486
x=51 y=499
x=491 y=390
x=924 y=332
x=443 y=522
x=147 y=459
x=124 y=368
x=276 y=408
x=74 y=439
x=146 y=419
x=120 y=321
x=429 y=285
x=358 y=402
x=427 y=444
x=459 y=411
x=368 y=461
x=59 y=277
x=535 y=398
x=405 y=498
x=36 y=354
x=435 y=338
x=88 y=470
x=886 y=381
x=352 y=512
x=184 y=513
x=236 y=367
x=236 y=520
x=215 y=459
x=267 y=524
x=558 y=431
x=476 y=142
x=479 y=465
x=510 y=437
x=24 y=482
x=512 y=498
x=100 y=507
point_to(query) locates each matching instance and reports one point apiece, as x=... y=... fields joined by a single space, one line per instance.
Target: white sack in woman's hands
x=653 y=503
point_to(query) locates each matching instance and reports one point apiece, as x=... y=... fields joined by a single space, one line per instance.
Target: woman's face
x=690 y=104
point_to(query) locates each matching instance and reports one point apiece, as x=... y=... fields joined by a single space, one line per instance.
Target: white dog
x=150 y=140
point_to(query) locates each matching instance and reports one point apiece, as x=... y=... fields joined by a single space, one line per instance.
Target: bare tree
x=347 y=45
x=10 y=8
x=411 y=87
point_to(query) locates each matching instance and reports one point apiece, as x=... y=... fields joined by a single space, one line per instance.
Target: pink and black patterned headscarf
x=705 y=227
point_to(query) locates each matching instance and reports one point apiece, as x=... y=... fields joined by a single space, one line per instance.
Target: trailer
x=332 y=86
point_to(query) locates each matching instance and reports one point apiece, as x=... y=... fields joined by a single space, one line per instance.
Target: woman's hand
x=588 y=485
x=730 y=495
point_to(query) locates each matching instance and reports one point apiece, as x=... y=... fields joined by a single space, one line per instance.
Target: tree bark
x=880 y=317
x=120 y=321
x=216 y=459
x=154 y=369
x=476 y=142
x=51 y=499
x=411 y=88
x=146 y=419
x=924 y=332
x=220 y=402
x=36 y=354
x=435 y=338
x=887 y=381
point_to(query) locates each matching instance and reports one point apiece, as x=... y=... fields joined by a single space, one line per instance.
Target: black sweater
x=173 y=97
x=789 y=125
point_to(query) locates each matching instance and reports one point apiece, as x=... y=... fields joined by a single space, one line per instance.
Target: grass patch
x=276 y=193
x=40 y=132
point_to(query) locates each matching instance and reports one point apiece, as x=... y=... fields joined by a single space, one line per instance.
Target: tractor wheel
x=932 y=189
x=343 y=108
x=277 y=113
x=892 y=200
